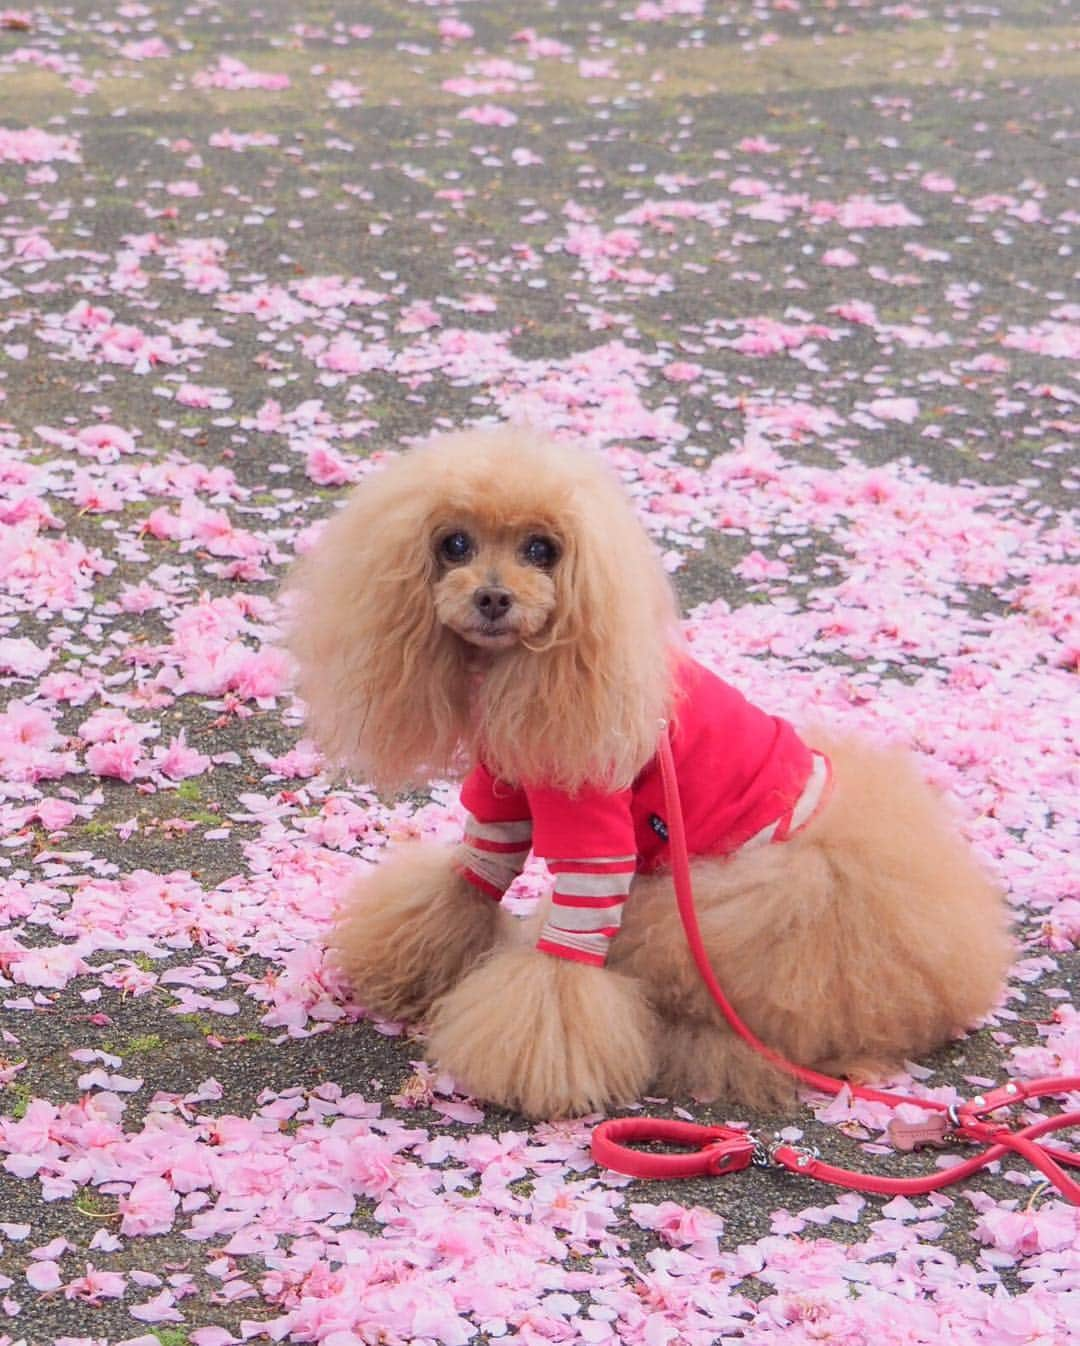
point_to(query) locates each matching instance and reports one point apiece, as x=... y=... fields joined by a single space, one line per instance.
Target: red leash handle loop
x=999 y=1141
x=716 y=1149
x=719 y=1149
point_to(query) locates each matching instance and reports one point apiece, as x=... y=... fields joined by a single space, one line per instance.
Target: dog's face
x=495 y=584
x=498 y=553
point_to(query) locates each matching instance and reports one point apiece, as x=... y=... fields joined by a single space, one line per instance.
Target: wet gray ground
x=851 y=96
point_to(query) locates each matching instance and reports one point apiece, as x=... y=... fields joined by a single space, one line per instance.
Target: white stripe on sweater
x=585 y=920
x=592 y=885
x=500 y=832
x=485 y=856
x=802 y=811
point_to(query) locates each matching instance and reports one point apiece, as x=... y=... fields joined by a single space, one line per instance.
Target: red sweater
x=744 y=777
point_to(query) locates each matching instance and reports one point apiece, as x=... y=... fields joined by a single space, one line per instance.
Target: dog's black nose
x=492 y=601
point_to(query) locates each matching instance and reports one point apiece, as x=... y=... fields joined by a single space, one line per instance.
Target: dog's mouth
x=497 y=635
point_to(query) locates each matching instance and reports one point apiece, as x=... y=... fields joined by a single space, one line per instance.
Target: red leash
x=713 y=1150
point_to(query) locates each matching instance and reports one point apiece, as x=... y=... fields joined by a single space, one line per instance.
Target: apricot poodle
x=489 y=605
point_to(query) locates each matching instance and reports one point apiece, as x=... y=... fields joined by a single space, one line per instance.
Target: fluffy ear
x=384 y=685
x=583 y=705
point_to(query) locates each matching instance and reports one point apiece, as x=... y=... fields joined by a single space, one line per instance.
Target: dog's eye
x=456 y=547
x=540 y=551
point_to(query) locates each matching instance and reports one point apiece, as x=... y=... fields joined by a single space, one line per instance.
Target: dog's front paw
x=545 y=1036
x=410 y=930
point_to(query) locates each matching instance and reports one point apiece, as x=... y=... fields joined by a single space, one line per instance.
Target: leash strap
x=714 y=1150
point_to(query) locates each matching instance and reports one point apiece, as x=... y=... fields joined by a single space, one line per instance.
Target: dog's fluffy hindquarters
x=870 y=938
x=489 y=603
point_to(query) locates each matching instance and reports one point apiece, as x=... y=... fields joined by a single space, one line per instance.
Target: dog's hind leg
x=703 y=1059
x=411 y=929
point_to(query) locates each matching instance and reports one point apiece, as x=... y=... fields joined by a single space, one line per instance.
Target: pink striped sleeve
x=588 y=842
x=495 y=854
x=498 y=832
x=586 y=907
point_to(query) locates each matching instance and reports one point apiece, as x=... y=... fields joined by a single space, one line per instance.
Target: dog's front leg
x=411 y=929
x=545 y=1036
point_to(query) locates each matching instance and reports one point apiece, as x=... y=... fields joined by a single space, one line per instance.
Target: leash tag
x=907 y=1136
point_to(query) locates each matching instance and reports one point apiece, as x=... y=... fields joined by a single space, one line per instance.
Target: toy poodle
x=489 y=605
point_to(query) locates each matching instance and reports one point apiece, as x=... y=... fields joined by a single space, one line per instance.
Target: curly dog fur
x=868 y=938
